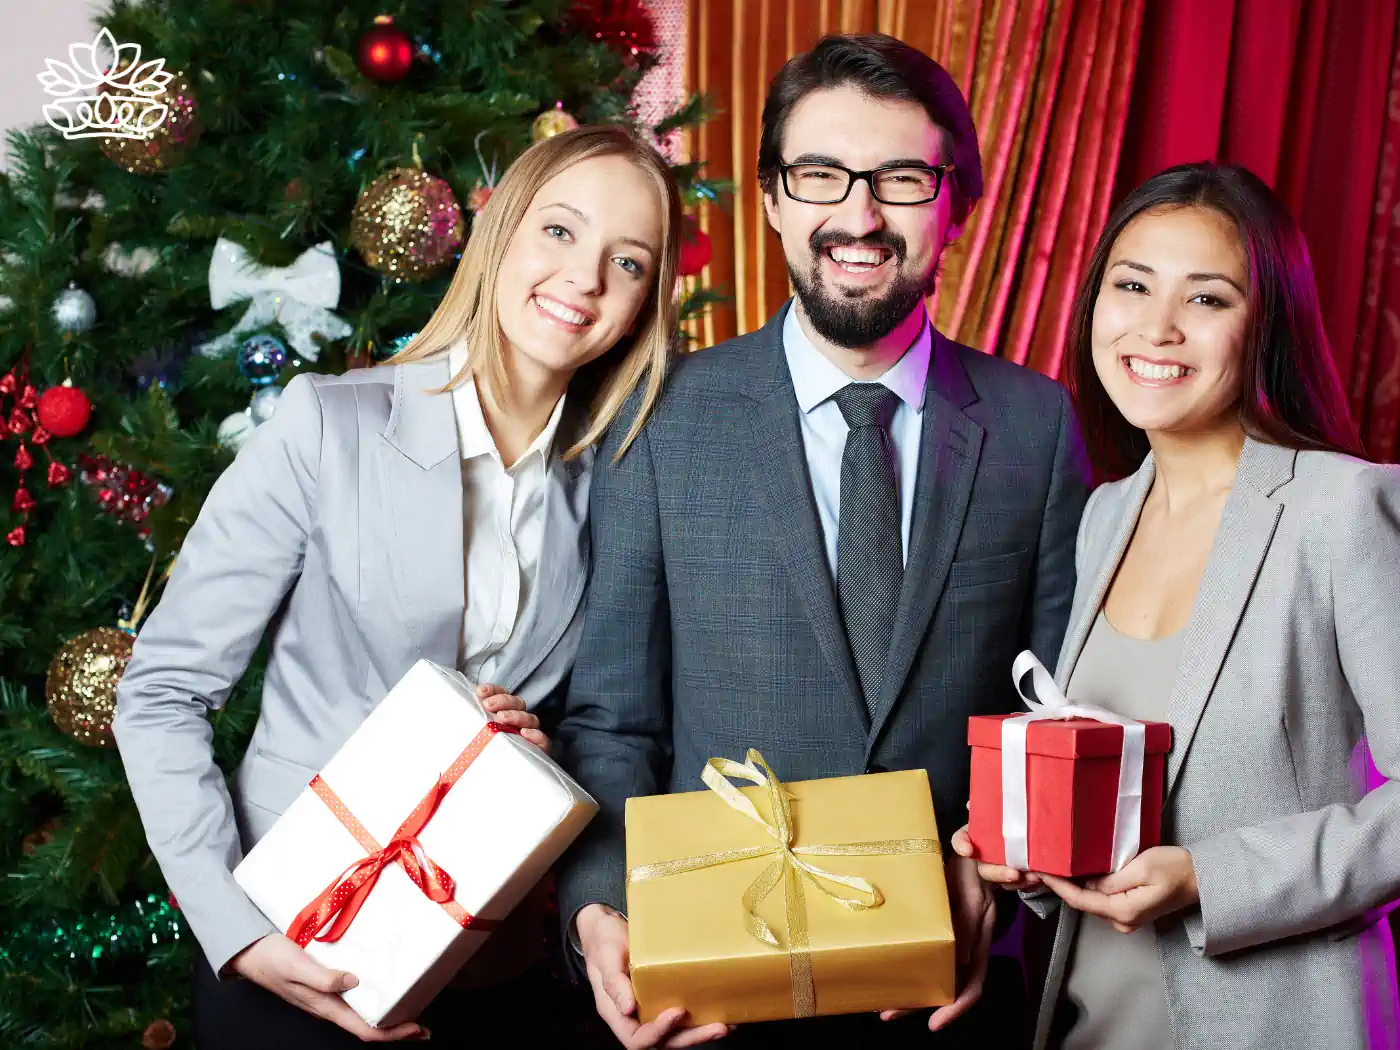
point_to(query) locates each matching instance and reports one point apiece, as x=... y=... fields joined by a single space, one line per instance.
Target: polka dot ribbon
x=332 y=911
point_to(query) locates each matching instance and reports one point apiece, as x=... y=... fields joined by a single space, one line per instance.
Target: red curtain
x=1300 y=92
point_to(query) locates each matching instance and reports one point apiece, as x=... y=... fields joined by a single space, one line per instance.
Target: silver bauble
x=264 y=403
x=74 y=310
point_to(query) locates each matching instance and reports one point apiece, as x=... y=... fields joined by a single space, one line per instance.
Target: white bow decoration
x=299 y=297
x=1047 y=702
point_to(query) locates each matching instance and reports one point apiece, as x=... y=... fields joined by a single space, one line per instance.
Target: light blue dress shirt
x=816 y=380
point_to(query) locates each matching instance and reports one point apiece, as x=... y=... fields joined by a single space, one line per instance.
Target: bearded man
x=833 y=535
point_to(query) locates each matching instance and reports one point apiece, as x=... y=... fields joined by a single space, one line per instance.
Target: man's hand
x=280 y=966
x=510 y=710
x=602 y=935
x=1157 y=882
x=1000 y=874
x=974 y=918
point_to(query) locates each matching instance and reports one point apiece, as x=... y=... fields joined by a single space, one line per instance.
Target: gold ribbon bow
x=787 y=867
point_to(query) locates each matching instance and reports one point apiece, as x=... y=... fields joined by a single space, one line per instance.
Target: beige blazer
x=1290 y=667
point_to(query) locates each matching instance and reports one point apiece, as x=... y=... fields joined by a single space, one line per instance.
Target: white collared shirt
x=503 y=510
x=816 y=381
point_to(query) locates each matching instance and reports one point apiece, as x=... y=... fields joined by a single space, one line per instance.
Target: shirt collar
x=473 y=434
x=815 y=379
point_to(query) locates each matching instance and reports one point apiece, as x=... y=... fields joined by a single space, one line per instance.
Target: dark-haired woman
x=1242 y=585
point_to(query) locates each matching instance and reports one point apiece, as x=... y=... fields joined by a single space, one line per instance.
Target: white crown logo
x=128 y=109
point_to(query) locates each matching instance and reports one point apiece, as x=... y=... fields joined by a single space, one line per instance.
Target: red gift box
x=1071 y=791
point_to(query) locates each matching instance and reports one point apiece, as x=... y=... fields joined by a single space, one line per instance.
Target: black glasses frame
x=868 y=177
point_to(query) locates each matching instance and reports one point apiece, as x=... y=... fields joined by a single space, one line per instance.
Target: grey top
x=1115 y=980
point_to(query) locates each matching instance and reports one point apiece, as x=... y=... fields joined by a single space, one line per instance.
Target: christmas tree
x=299 y=206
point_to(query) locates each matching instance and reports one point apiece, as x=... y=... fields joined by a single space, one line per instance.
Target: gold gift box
x=693 y=945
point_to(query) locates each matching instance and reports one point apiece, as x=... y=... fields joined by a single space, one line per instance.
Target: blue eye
x=557 y=232
x=632 y=266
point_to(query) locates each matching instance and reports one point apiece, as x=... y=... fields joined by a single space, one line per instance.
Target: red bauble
x=15 y=537
x=64 y=411
x=385 y=53
x=59 y=475
x=695 y=249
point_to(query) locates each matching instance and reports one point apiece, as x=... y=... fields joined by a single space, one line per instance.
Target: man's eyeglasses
x=894 y=184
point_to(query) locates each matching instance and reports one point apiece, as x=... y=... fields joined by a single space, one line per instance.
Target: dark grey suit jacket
x=711 y=623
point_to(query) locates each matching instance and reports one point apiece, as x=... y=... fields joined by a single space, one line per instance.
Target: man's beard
x=853 y=319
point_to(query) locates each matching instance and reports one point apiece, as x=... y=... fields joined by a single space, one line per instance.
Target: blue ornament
x=261 y=359
x=393 y=346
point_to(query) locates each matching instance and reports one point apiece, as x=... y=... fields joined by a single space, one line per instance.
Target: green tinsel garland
x=135 y=928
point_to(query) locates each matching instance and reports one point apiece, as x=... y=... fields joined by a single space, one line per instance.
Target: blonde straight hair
x=468 y=310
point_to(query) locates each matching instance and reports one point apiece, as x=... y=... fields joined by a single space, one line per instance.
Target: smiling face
x=860 y=267
x=580 y=266
x=1170 y=320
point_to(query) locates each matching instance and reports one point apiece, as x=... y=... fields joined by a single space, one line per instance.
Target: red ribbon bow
x=331 y=911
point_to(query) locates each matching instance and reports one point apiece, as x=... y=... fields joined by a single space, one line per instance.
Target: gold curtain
x=1049 y=83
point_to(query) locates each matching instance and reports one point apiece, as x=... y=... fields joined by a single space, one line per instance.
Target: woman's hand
x=999 y=874
x=1156 y=882
x=280 y=966
x=510 y=710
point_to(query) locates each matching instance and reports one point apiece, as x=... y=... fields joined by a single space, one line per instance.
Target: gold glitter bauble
x=407 y=224
x=550 y=123
x=81 y=688
x=167 y=143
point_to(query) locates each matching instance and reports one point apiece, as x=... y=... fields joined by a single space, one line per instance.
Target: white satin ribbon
x=1047 y=702
x=299 y=297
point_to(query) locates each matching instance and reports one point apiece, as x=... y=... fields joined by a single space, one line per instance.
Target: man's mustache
x=821 y=240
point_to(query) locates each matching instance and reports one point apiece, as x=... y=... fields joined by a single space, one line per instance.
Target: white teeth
x=866 y=256
x=1150 y=371
x=561 y=311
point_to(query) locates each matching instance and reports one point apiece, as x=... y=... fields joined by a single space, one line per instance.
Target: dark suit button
x=875 y=767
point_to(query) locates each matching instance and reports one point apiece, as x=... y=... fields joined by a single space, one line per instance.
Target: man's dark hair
x=885 y=68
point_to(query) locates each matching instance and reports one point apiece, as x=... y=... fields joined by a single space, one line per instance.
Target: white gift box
x=496 y=832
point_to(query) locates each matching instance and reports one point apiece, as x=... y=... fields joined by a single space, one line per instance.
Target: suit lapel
x=422 y=478
x=561 y=570
x=779 y=472
x=1079 y=630
x=949 y=446
x=1247 y=527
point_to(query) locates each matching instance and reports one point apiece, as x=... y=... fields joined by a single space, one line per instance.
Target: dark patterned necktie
x=869 y=556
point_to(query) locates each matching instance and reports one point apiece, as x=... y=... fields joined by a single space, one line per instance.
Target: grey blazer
x=338 y=530
x=712 y=623
x=1290 y=661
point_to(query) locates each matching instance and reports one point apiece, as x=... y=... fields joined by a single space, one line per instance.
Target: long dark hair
x=1292 y=394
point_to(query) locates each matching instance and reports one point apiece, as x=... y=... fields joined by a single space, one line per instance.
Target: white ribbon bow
x=299 y=297
x=1046 y=702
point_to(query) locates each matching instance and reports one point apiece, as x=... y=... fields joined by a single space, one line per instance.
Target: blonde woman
x=434 y=508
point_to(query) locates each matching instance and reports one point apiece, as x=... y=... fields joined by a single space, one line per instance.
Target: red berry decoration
x=385 y=52
x=695 y=248
x=25 y=406
x=64 y=411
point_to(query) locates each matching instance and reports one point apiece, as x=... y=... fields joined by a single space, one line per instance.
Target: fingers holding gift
x=974 y=975
x=1126 y=910
x=510 y=710
x=1000 y=874
x=497 y=698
